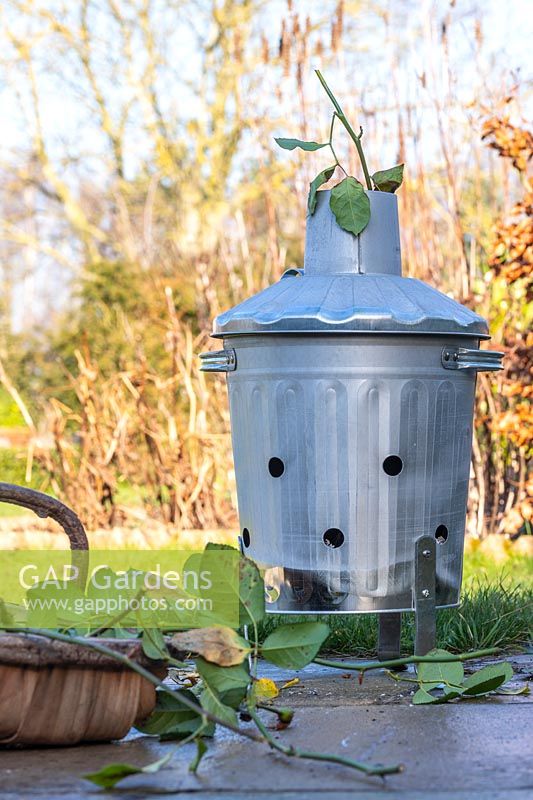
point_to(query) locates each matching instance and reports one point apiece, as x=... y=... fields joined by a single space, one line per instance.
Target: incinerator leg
x=390 y=629
x=425 y=594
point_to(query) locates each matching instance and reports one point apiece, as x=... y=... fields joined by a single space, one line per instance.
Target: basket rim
x=31 y=650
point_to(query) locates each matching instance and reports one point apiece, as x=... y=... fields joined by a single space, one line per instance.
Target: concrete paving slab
x=476 y=749
x=324 y=686
x=513 y=794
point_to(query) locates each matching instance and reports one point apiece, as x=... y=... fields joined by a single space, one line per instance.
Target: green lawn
x=496 y=611
x=516 y=570
x=13 y=470
x=10 y=416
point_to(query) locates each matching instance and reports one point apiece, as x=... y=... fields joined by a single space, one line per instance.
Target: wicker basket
x=54 y=693
x=57 y=693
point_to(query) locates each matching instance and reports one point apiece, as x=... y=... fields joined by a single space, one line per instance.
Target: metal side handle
x=465 y=358
x=218 y=361
x=293 y=272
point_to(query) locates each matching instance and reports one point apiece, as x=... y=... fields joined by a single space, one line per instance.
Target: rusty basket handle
x=45 y=506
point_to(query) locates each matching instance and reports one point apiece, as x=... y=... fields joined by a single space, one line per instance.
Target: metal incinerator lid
x=351 y=284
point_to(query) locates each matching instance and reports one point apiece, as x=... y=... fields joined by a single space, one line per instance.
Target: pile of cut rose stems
x=262 y=734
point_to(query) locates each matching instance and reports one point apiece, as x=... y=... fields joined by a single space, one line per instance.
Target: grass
x=496 y=611
x=10 y=416
x=515 y=570
x=13 y=470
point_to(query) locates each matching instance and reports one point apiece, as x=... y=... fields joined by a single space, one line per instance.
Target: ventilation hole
x=272 y=593
x=276 y=467
x=441 y=534
x=393 y=465
x=246 y=537
x=333 y=537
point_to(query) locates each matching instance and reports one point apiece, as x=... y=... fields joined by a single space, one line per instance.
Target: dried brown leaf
x=218 y=644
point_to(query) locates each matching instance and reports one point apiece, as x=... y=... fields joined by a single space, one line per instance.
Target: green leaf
x=201 y=750
x=487 y=679
x=388 y=180
x=351 y=206
x=293 y=646
x=422 y=697
x=109 y=776
x=170 y=718
x=220 y=546
x=224 y=688
x=291 y=144
x=315 y=184
x=434 y=674
x=210 y=700
x=250 y=591
x=6 y=619
x=153 y=644
x=230 y=683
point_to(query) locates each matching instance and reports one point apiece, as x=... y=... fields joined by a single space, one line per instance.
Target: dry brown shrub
x=160 y=435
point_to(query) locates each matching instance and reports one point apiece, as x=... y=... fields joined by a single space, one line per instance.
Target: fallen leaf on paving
x=290 y=683
x=265 y=689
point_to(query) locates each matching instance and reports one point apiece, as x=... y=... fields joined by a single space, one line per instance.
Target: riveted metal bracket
x=425 y=594
x=465 y=358
x=390 y=630
x=219 y=361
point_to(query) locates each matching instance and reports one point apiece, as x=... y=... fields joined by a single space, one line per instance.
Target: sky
x=507 y=30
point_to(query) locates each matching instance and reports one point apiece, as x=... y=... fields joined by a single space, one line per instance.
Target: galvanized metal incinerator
x=351 y=395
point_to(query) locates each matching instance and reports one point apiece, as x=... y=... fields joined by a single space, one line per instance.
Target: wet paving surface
x=471 y=749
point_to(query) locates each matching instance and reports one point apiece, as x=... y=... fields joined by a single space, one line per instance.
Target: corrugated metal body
x=332 y=421
x=351 y=434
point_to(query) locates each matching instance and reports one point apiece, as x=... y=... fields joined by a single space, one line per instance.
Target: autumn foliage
x=505 y=415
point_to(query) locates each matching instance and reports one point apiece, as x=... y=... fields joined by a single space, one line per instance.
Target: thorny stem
x=196 y=737
x=398 y=678
x=173 y=662
x=255 y=655
x=265 y=734
x=289 y=750
x=284 y=713
x=363 y=666
x=165 y=655
x=128 y=662
x=352 y=134
x=112 y=623
x=401 y=679
x=330 y=142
